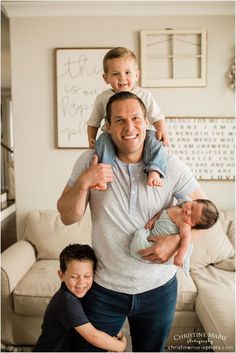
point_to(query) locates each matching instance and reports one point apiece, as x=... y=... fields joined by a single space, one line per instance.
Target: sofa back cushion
x=45 y=230
x=214 y=245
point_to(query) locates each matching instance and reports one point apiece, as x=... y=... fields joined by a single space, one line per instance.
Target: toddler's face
x=122 y=74
x=192 y=212
x=78 y=277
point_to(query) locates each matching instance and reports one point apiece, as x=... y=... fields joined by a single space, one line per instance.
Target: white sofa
x=205 y=305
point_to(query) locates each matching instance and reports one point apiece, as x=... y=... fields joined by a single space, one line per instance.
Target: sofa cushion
x=215 y=306
x=187 y=292
x=211 y=247
x=228 y=264
x=49 y=235
x=34 y=291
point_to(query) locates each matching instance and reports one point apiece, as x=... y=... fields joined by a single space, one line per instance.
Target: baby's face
x=78 y=277
x=192 y=212
x=122 y=74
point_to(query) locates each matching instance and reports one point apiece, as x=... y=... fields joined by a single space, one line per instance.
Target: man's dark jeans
x=150 y=315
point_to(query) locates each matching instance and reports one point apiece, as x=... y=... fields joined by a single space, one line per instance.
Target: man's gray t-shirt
x=127 y=205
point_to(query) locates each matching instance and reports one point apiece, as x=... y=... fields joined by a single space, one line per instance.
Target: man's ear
x=105 y=78
x=108 y=127
x=61 y=275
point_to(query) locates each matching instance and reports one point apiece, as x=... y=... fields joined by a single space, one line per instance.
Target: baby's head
x=77 y=267
x=209 y=214
x=120 y=69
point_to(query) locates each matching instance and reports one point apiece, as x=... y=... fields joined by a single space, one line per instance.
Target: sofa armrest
x=15 y=262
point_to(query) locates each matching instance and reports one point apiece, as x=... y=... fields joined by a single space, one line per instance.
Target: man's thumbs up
x=94 y=160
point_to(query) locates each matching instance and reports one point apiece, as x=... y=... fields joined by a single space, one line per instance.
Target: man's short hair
x=122 y=96
x=117 y=52
x=78 y=252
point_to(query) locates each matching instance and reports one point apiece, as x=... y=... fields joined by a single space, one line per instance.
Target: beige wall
x=41 y=169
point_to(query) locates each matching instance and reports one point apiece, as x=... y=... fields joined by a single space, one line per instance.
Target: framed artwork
x=78 y=82
x=173 y=58
x=206 y=145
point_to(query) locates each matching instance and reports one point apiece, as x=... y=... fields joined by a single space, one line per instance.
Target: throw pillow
x=211 y=247
x=49 y=235
x=229 y=264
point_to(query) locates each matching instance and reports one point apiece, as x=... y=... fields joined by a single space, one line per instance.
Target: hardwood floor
x=8 y=231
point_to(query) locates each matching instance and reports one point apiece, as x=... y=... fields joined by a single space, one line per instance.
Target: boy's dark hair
x=117 y=52
x=123 y=96
x=209 y=216
x=79 y=252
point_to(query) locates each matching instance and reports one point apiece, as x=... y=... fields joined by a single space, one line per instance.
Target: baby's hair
x=78 y=252
x=209 y=216
x=122 y=96
x=117 y=52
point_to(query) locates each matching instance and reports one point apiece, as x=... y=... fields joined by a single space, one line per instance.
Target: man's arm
x=73 y=201
x=164 y=246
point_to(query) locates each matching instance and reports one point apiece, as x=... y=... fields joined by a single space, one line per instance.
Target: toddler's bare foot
x=100 y=187
x=154 y=178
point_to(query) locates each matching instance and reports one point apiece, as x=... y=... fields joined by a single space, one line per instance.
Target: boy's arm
x=160 y=126
x=73 y=201
x=101 y=339
x=92 y=133
x=185 y=233
x=95 y=119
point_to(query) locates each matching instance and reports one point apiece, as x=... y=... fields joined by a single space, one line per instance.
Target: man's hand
x=95 y=174
x=163 y=249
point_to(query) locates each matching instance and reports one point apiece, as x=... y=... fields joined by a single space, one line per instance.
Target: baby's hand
x=92 y=142
x=150 y=224
x=162 y=136
x=178 y=260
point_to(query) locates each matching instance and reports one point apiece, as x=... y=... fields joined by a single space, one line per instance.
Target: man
x=125 y=287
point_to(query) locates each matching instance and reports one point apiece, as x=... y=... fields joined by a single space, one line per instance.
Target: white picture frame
x=205 y=144
x=173 y=58
x=78 y=82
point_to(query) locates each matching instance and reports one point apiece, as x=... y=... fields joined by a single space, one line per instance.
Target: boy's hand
x=122 y=338
x=162 y=136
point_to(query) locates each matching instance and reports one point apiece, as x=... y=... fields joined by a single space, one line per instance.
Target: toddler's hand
x=162 y=136
x=92 y=142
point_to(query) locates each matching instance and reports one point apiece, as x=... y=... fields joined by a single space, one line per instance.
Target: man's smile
x=130 y=137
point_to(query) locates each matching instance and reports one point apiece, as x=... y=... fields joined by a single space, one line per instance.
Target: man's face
x=128 y=129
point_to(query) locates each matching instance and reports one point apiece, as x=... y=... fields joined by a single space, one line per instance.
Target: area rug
x=29 y=349
x=16 y=349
